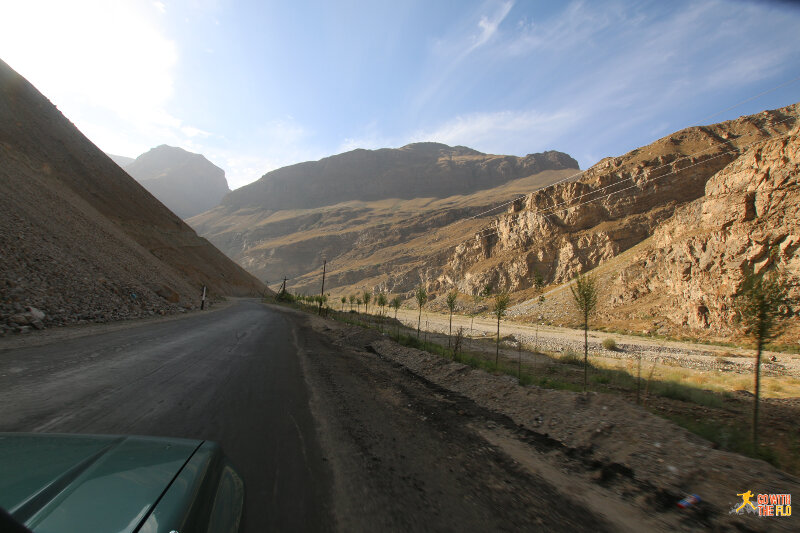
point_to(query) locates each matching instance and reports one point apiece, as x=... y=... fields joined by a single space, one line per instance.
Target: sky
x=257 y=85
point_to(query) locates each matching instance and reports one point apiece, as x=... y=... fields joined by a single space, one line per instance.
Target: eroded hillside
x=694 y=209
x=80 y=240
x=617 y=203
x=748 y=219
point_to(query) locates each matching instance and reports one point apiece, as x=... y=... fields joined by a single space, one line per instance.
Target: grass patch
x=734 y=438
x=685 y=393
x=785 y=348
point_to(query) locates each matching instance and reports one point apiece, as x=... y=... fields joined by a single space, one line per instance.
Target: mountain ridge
x=413 y=171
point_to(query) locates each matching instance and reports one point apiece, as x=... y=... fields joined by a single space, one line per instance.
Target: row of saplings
x=759 y=302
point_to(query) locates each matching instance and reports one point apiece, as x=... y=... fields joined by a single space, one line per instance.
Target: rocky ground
x=561 y=340
x=615 y=457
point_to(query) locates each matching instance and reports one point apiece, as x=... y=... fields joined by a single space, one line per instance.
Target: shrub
x=571 y=358
x=609 y=344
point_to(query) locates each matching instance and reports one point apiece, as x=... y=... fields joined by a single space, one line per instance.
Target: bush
x=609 y=344
x=571 y=358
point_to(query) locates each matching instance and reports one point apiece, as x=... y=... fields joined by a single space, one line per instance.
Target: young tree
x=395 y=303
x=540 y=302
x=584 y=294
x=352 y=300
x=477 y=299
x=538 y=280
x=452 y=296
x=758 y=302
x=366 y=297
x=358 y=305
x=381 y=301
x=499 y=310
x=422 y=297
x=344 y=301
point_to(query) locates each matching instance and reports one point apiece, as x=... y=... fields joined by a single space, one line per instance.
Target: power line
x=695 y=124
x=759 y=95
x=554 y=209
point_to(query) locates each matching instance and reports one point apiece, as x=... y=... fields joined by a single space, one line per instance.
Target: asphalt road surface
x=327 y=437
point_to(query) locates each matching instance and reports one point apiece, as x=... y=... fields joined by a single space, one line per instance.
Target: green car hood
x=63 y=483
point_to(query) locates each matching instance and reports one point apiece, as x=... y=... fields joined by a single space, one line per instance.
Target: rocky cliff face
x=187 y=183
x=575 y=226
x=748 y=218
x=421 y=170
x=80 y=240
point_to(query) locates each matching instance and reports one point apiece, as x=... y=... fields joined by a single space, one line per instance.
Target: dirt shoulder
x=614 y=458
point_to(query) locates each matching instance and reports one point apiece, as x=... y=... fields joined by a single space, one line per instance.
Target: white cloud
x=526 y=130
x=459 y=45
x=160 y=7
x=488 y=25
x=189 y=131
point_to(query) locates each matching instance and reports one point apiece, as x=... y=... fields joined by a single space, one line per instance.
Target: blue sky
x=259 y=85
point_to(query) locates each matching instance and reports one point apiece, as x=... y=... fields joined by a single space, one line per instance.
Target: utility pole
x=203 y=299
x=283 y=287
x=322 y=291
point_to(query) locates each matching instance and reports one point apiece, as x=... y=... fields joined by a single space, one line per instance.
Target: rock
x=36 y=314
x=167 y=293
x=710 y=235
x=19 y=319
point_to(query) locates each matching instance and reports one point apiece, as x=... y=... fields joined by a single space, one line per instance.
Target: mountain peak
x=186 y=182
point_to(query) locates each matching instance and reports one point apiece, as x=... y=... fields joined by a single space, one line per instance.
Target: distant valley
x=427 y=214
x=381 y=218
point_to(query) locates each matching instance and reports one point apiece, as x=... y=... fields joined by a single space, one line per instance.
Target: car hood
x=50 y=481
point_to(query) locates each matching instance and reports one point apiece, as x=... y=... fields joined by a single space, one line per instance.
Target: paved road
x=231 y=376
x=327 y=435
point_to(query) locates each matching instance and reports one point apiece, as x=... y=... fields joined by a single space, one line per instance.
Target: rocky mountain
x=748 y=219
x=121 y=160
x=186 y=183
x=377 y=216
x=80 y=240
x=694 y=209
x=419 y=170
